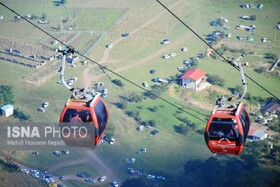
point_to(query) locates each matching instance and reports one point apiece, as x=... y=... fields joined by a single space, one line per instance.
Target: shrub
x=118 y=82
x=215 y=80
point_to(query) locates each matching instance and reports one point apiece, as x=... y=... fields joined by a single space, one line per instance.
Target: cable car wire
x=228 y=61
x=103 y=67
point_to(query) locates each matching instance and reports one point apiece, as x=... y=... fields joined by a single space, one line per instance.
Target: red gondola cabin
x=93 y=113
x=227 y=129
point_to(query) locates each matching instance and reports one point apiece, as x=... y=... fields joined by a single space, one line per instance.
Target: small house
x=271 y=108
x=193 y=79
x=7 y=110
x=258 y=135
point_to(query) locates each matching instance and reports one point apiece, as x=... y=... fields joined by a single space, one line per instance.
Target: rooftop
x=194 y=74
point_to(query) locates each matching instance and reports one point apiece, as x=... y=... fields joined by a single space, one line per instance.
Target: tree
x=238 y=89
x=44 y=16
x=215 y=80
x=6 y=95
x=33 y=16
x=260 y=70
x=110 y=131
x=152 y=123
x=21 y=115
x=63 y=1
x=118 y=82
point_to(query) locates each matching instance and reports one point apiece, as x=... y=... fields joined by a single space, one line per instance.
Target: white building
x=259 y=135
x=7 y=110
x=193 y=79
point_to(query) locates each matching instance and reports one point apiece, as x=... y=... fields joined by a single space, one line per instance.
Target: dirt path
x=66 y=164
x=91 y=159
x=88 y=78
x=97 y=163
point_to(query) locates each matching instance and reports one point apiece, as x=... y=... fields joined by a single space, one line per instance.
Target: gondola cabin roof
x=81 y=103
x=227 y=111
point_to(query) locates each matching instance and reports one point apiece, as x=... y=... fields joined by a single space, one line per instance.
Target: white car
x=165 y=56
x=102 y=179
x=41 y=109
x=45 y=104
x=140 y=128
x=151 y=177
x=56 y=153
x=64 y=151
x=165 y=41
x=143 y=150
x=112 y=141
x=172 y=54
x=184 y=49
x=109 y=46
x=145 y=84
x=24 y=170
x=115 y=184
x=132 y=160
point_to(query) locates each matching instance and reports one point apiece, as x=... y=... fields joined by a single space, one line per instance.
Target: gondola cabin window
x=77 y=116
x=223 y=128
x=101 y=115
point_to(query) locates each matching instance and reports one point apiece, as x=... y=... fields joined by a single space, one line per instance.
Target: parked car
x=41 y=109
x=56 y=153
x=132 y=160
x=112 y=141
x=142 y=150
x=45 y=104
x=140 y=128
x=90 y=180
x=62 y=178
x=64 y=151
x=184 y=49
x=165 y=41
x=24 y=170
x=82 y=174
x=151 y=177
x=160 y=178
x=145 y=84
x=152 y=71
x=165 y=56
x=125 y=34
x=109 y=46
x=154 y=132
x=115 y=184
x=102 y=179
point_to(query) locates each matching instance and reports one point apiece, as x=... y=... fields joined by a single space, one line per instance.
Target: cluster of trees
x=6 y=95
x=271 y=56
x=21 y=115
x=225 y=48
x=156 y=90
x=110 y=131
x=185 y=127
x=215 y=80
x=261 y=69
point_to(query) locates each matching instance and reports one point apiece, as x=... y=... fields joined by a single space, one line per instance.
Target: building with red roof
x=194 y=79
